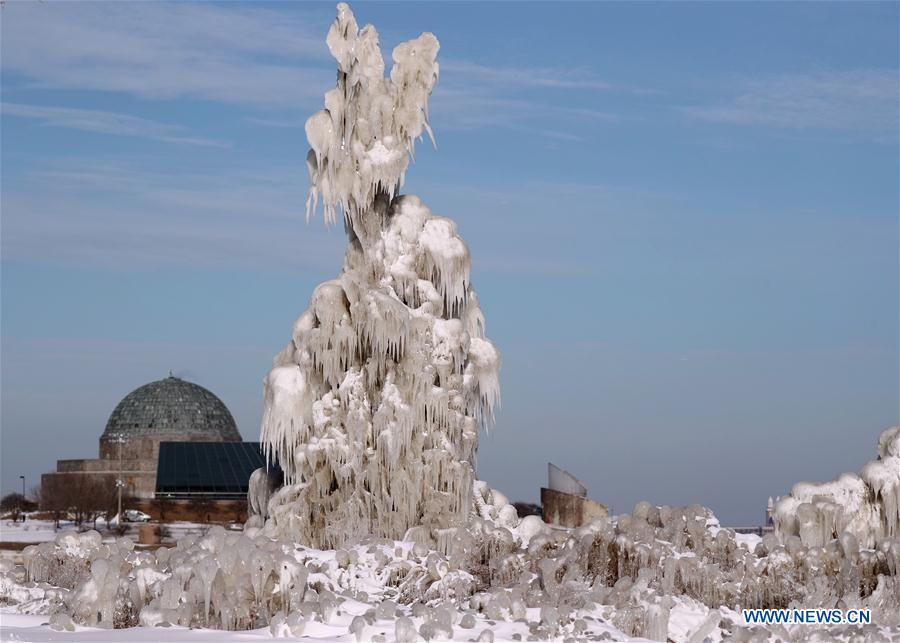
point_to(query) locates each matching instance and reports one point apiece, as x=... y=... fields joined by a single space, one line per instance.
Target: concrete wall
x=106 y=466
x=147 y=448
x=135 y=459
x=137 y=484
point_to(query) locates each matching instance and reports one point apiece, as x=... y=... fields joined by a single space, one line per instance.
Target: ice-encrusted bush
x=866 y=505
x=628 y=573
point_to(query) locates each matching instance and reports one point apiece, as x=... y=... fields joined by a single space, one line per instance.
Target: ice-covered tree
x=374 y=407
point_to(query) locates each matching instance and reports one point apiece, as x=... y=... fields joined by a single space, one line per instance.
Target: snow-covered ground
x=34 y=627
x=40 y=531
x=26 y=627
x=654 y=573
x=382 y=590
x=30 y=531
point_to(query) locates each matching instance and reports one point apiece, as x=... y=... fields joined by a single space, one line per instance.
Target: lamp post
x=120 y=481
x=119 y=484
x=22 y=478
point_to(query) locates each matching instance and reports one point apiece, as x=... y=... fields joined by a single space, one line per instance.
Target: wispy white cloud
x=861 y=100
x=155 y=50
x=91 y=120
x=108 y=212
x=524 y=77
x=254 y=58
x=455 y=108
x=543 y=101
x=103 y=212
x=285 y=123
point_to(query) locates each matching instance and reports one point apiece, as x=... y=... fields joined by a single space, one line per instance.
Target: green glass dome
x=168 y=408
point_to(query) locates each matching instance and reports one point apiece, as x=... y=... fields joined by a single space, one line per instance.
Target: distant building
x=215 y=470
x=168 y=410
x=564 y=500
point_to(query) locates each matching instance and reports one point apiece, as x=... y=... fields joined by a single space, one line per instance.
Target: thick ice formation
x=866 y=505
x=373 y=408
x=663 y=573
x=361 y=142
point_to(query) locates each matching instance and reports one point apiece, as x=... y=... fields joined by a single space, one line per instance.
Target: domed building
x=170 y=410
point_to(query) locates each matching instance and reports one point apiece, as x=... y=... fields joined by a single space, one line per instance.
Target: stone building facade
x=168 y=410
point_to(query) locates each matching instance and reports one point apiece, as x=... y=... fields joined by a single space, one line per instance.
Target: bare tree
x=55 y=498
x=76 y=499
x=107 y=498
x=201 y=506
x=82 y=503
x=34 y=495
x=12 y=503
x=87 y=497
x=162 y=505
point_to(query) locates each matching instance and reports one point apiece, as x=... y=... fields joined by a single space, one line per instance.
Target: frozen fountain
x=374 y=406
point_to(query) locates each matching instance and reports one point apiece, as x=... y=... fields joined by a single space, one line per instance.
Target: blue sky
x=683 y=218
